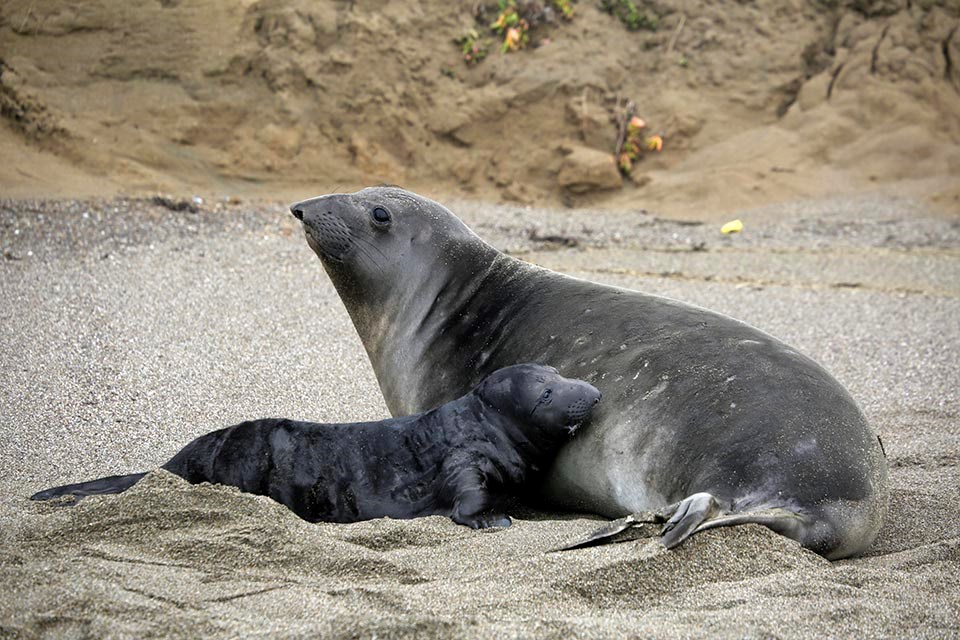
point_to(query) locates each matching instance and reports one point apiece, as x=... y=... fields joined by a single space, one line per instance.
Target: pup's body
x=459 y=460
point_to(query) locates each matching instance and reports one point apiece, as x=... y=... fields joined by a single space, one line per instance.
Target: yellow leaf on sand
x=734 y=226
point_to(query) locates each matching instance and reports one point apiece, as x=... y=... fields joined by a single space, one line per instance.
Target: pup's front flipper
x=483 y=520
x=474 y=504
x=473 y=508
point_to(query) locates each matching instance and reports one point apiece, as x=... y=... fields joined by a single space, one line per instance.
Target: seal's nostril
x=297 y=213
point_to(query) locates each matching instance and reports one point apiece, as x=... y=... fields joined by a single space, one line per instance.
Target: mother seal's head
x=382 y=248
x=361 y=236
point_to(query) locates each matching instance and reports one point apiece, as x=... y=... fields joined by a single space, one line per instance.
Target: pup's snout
x=297 y=212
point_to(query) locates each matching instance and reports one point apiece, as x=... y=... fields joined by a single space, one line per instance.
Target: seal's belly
x=598 y=472
x=712 y=405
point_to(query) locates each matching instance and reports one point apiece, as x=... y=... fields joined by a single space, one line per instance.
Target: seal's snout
x=580 y=409
x=297 y=211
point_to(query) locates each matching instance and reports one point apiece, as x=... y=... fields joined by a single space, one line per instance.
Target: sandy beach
x=127 y=329
x=154 y=287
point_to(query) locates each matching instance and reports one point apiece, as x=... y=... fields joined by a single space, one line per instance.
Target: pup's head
x=544 y=404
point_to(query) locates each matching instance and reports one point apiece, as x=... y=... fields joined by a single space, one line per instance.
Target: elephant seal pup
x=459 y=460
x=706 y=420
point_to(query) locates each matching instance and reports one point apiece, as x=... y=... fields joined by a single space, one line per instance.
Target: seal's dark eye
x=546 y=395
x=380 y=215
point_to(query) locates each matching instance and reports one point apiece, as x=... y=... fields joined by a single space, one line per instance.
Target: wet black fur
x=461 y=459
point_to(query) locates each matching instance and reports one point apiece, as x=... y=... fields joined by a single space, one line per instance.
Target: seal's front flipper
x=474 y=505
x=686 y=517
x=111 y=484
x=611 y=529
x=474 y=509
x=483 y=520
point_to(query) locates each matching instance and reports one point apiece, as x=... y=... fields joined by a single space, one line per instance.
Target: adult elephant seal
x=460 y=460
x=703 y=413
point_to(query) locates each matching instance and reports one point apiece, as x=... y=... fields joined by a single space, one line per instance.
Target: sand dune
x=758 y=102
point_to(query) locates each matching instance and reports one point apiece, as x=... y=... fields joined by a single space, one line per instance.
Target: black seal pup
x=460 y=460
x=706 y=419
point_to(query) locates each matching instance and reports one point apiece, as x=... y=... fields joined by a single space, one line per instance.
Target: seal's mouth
x=328 y=236
x=318 y=248
x=578 y=412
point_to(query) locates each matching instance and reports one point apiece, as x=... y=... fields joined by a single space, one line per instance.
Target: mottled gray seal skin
x=461 y=459
x=706 y=419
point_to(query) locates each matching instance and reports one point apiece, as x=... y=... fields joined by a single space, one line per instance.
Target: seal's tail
x=111 y=484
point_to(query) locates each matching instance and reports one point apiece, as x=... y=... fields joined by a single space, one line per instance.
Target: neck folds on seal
x=430 y=317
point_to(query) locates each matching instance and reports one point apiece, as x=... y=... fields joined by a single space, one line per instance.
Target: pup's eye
x=380 y=216
x=546 y=394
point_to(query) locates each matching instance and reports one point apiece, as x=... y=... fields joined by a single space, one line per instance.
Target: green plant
x=565 y=7
x=516 y=19
x=635 y=144
x=632 y=17
x=473 y=47
x=513 y=28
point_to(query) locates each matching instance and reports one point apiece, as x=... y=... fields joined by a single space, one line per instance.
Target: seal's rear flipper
x=783 y=521
x=112 y=484
x=611 y=529
x=691 y=515
x=687 y=516
x=701 y=511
